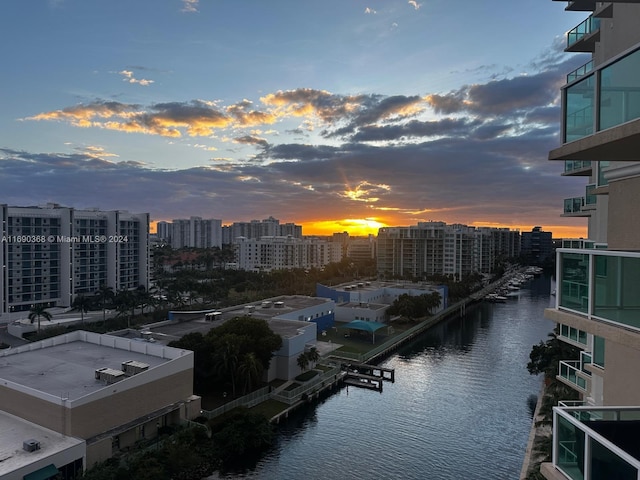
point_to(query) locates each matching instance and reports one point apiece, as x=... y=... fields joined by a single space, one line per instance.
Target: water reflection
x=458 y=409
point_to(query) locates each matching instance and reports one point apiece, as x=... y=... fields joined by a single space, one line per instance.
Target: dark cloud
x=416 y=128
x=251 y=140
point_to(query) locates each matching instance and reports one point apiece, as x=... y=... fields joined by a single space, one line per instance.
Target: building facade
x=537 y=245
x=51 y=254
x=256 y=229
x=284 y=253
x=107 y=392
x=194 y=232
x=598 y=279
x=435 y=248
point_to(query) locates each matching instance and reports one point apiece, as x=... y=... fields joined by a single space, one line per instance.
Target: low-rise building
x=105 y=391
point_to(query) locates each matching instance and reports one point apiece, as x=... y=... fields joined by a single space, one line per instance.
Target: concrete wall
x=624 y=218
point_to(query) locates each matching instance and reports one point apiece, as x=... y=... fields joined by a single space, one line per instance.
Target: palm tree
x=105 y=295
x=313 y=355
x=81 y=304
x=303 y=361
x=227 y=359
x=125 y=302
x=37 y=312
x=249 y=371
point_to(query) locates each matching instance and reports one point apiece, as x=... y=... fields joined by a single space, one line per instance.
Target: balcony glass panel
x=590 y=25
x=579 y=109
x=569 y=445
x=590 y=198
x=606 y=464
x=617 y=289
x=574 y=291
x=580 y=71
x=573 y=165
x=601 y=166
x=620 y=91
x=569 y=371
x=573 y=205
x=598 y=351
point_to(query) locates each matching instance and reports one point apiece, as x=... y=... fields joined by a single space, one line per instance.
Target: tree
x=125 y=303
x=37 y=312
x=303 y=361
x=105 y=296
x=82 y=304
x=249 y=372
x=313 y=355
x=227 y=359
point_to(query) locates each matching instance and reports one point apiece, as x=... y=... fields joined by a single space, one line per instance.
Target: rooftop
x=14 y=431
x=64 y=366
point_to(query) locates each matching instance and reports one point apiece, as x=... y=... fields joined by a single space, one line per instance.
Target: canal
x=457 y=410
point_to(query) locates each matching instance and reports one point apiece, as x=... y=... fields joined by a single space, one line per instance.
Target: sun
x=357 y=227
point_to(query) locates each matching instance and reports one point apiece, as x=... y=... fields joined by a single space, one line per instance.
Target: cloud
x=129 y=78
x=370 y=11
x=190 y=6
x=414 y=4
x=252 y=140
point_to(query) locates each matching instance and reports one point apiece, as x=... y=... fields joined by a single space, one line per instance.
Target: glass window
x=574 y=291
x=620 y=91
x=579 y=109
x=598 y=351
x=606 y=464
x=570 y=448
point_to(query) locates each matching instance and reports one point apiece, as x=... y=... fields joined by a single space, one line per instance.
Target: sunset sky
x=337 y=115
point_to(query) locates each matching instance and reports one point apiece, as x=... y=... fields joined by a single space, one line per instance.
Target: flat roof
x=67 y=370
x=287 y=328
x=14 y=431
x=264 y=309
x=363 y=305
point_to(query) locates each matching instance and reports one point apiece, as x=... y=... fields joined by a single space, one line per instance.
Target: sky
x=340 y=115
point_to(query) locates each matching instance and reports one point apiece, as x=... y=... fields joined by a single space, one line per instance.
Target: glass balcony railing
x=573 y=334
x=580 y=71
x=571 y=371
x=576 y=165
x=601 y=284
x=590 y=25
x=617 y=88
x=596 y=442
x=602 y=165
x=573 y=205
x=590 y=198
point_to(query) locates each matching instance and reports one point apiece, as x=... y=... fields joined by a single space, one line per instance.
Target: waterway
x=457 y=410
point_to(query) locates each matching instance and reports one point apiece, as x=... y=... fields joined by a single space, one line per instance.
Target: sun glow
x=354 y=226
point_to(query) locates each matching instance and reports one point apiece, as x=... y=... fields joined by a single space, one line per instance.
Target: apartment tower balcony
x=595 y=443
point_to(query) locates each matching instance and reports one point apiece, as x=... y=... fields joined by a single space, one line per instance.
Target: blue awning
x=366 y=326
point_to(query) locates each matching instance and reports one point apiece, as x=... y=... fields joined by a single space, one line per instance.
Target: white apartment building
x=597 y=305
x=284 y=253
x=256 y=229
x=51 y=254
x=431 y=248
x=194 y=232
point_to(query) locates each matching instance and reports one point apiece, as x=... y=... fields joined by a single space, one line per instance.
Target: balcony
x=574 y=207
x=602 y=113
x=577 y=168
x=591 y=443
x=580 y=71
x=571 y=372
x=583 y=37
x=600 y=284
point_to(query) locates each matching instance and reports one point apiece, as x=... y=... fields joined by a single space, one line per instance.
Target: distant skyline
x=341 y=115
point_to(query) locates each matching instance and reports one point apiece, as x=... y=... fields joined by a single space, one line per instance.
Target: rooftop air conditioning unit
x=131 y=367
x=109 y=375
x=31 y=445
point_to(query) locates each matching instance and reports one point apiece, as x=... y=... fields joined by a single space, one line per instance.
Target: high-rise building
x=256 y=229
x=51 y=254
x=537 y=245
x=597 y=305
x=195 y=232
x=435 y=248
x=283 y=253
